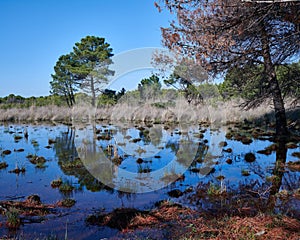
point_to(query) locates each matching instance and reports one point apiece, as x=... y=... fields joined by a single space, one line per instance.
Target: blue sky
x=34 y=33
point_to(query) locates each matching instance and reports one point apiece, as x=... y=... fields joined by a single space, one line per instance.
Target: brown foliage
x=222 y=34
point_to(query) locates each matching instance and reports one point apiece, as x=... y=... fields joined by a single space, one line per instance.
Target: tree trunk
x=93 y=92
x=280 y=116
x=67 y=99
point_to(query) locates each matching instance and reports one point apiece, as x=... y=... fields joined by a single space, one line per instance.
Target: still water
x=134 y=165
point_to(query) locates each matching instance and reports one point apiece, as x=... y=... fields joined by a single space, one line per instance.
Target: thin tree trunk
x=93 y=92
x=280 y=116
x=72 y=98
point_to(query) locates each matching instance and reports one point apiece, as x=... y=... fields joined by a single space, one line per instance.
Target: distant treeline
x=237 y=84
x=17 y=101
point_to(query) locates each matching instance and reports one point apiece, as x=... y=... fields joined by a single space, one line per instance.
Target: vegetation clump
x=6 y=152
x=245 y=173
x=119 y=218
x=176 y=193
x=68 y=202
x=66 y=187
x=51 y=141
x=3 y=165
x=56 y=183
x=291 y=145
x=37 y=160
x=294 y=166
x=223 y=144
x=13 y=220
x=246 y=140
x=71 y=164
x=229 y=161
x=215 y=190
x=296 y=154
x=17 y=138
x=33 y=200
x=228 y=150
x=265 y=152
x=139 y=160
x=250 y=157
x=15 y=211
x=19 y=150
x=18 y=170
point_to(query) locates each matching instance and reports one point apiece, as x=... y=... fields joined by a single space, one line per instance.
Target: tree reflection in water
x=71 y=164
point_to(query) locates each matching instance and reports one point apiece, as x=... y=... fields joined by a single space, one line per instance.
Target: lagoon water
x=132 y=165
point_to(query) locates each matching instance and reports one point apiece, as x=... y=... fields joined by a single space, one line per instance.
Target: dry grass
x=48 y=113
x=172 y=221
x=213 y=112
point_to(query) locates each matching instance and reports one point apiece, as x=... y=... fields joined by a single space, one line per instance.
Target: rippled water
x=126 y=165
